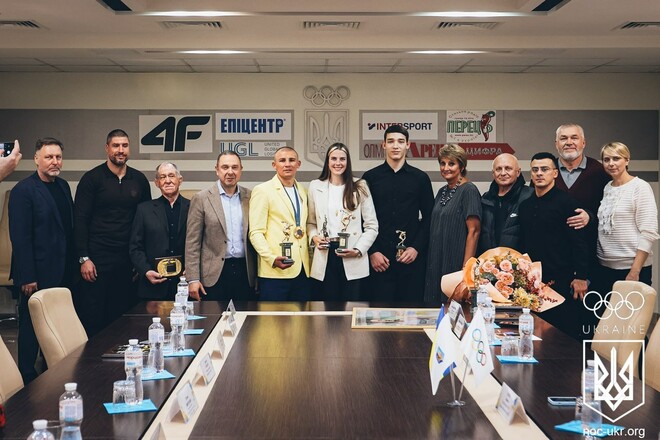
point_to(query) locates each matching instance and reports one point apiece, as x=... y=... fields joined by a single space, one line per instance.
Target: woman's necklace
x=447 y=193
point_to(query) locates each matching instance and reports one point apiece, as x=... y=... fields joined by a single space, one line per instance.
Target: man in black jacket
x=500 y=224
x=159 y=235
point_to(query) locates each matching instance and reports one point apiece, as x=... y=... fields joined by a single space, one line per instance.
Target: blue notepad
x=194 y=317
x=496 y=343
x=576 y=427
x=159 y=376
x=186 y=352
x=193 y=331
x=121 y=408
x=516 y=360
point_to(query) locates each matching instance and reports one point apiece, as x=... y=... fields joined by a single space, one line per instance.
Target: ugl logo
x=176 y=133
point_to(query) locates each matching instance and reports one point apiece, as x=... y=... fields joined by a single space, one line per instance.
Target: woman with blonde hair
x=627 y=221
x=455 y=221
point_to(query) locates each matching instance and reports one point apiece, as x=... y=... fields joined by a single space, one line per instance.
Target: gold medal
x=169 y=266
x=298 y=233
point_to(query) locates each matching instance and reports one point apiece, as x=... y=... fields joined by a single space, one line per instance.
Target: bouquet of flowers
x=511 y=278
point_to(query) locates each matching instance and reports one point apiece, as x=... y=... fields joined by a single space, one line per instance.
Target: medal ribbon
x=296 y=207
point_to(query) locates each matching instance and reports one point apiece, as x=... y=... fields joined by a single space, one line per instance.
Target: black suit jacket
x=149 y=240
x=37 y=234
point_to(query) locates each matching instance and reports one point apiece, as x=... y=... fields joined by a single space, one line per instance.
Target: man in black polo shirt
x=106 y=200
x=401 y=193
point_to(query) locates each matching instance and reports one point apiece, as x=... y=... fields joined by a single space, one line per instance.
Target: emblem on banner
x=614 y=378
x=322 y=129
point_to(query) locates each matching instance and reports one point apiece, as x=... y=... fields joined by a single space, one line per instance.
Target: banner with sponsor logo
x=175 y=133
x=468 y=126
x=423 y=127
x=255 y=134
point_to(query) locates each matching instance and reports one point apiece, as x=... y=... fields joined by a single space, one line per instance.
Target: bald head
x=505 y=172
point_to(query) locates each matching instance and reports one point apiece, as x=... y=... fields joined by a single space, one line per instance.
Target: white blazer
x=317 y=199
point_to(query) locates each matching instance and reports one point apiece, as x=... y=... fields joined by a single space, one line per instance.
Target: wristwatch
x=81 y=260
x=359 y=252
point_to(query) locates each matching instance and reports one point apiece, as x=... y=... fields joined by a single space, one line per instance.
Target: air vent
x=472 y=25
x=640 y=25
x=331 y=25
x=25 y=24
x=191 y=25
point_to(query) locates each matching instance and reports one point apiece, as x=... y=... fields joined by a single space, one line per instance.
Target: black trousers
x=28 y=346
x=99 y=303
x=232 y=284
x=400 y=282
x=335 y=286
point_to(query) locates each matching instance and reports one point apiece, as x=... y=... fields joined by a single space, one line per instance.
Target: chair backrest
x=5 y=244
x=10 y=379
x=625 y=323
x=56 y=324
x=652 y=359
x=188 y=193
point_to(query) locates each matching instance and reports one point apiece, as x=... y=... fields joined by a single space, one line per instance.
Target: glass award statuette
x=343 y=235
x=286 y=244
x=169 y=266
x=400 y=247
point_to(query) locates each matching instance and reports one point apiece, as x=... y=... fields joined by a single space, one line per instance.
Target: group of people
x=235 y=243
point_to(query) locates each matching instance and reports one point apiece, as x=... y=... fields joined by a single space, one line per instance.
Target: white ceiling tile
x=20 y=61
x=158 y=68
x=292 y=69
x=302 y=61
x=359 y=69
x=426 y=69
x=559 y=69
x=574 y=61
x=14 y=68
x=220 y=61
x=143 y=61
x=492 y=69
x=107 y=69
x=226 y=69
x=80 y=61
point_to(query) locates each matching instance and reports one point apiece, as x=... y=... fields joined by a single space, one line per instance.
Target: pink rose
x=505 y=277
x=488 y=266
x=506 y=266
x=523 y=264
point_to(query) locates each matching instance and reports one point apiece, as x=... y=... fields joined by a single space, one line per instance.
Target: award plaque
x=286 y=243
x=169 y=266
x=400 y=247
x=343 y=235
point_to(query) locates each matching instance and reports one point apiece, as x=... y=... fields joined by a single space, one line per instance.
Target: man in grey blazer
x=220 y=261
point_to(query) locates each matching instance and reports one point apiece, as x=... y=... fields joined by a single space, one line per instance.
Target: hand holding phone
x=6 y=148
x=561 y=400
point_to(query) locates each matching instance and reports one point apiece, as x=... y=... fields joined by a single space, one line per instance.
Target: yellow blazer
x=269 y=207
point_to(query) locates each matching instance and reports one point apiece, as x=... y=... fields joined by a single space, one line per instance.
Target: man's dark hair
x=47 y=141
x=229 y=153
x=545 y=155
x=117 y=132
x=285 y=147
x=396 y=128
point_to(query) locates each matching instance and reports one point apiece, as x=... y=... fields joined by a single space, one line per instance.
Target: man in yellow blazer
x=278 y=214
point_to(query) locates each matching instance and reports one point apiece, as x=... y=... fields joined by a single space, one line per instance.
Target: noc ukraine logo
x=615 y=371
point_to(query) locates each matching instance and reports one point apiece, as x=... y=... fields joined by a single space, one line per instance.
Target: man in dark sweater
x=562 y=249
x=106 y=201
x=500 y=222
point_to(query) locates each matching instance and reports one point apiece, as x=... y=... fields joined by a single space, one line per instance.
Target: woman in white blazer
x=340 y=203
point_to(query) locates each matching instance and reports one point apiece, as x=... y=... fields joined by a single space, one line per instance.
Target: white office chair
x=10 y=379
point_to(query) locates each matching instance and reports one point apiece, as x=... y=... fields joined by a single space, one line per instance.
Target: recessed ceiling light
x=472 y=14
x=446 y=52
x=193 y=14
x=212 y=52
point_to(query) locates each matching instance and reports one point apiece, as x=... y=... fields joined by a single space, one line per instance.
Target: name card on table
x=453 y=311
x=460 y=326
x=185 y=403
x=205 y=369
x=231 y=308
x=222 y=348
x=233 y=329
x=509 y=405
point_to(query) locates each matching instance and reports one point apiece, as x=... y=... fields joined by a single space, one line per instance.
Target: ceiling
x=338 y=36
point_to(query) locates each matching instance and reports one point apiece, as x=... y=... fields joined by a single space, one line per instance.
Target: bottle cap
x=525 y=310
x=71 y=386
x=182 y=278
x=133 y=341
x=40 y=424
x=156 y=319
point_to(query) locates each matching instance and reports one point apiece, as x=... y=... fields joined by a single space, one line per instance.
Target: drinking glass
x=123 y=391
x=509 y=346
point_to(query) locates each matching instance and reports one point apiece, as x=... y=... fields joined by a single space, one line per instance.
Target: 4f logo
x=190 y=134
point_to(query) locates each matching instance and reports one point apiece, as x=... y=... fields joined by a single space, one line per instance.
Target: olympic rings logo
x=479 y=347
x=613 y=307
x=326 y=95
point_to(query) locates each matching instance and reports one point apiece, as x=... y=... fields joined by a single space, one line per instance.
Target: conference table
x=298 y=370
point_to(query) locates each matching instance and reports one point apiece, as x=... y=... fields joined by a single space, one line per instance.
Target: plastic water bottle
x=591 y=416
x=156 y=360
x=482 y=294
x=40 y=432
x=133 y=367
x=526 y=330
x=488 y=311
x=71 y=412
x=177 y=319
x=182 y=299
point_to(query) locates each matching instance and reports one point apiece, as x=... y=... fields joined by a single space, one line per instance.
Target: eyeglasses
x=542 y=169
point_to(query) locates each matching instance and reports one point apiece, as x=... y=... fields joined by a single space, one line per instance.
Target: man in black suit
x=41 y=232
x=159 y=230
